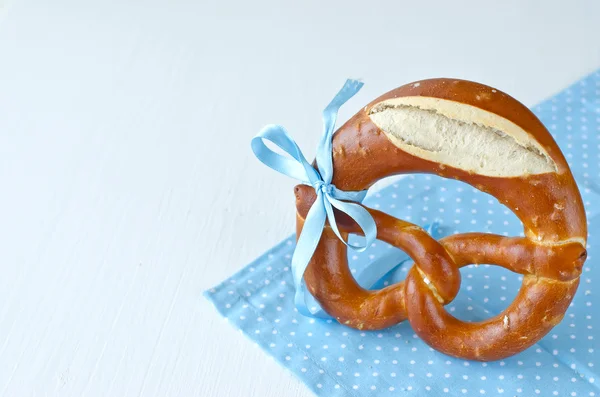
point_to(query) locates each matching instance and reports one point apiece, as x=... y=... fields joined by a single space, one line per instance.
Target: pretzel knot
x=510 y=155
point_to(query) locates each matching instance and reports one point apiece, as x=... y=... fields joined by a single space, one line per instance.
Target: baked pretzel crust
x=550 y=256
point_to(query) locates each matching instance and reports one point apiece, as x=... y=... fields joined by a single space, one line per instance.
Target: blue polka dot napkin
x=333 y=360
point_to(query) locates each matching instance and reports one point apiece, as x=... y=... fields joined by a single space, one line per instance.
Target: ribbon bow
x=328 y=196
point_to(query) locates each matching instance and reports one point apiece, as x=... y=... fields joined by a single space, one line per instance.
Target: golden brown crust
x=550 y=256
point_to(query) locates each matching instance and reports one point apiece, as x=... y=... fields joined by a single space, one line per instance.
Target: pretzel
x=479 y=135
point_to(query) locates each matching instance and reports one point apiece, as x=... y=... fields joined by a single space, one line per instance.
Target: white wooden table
x=127 y=181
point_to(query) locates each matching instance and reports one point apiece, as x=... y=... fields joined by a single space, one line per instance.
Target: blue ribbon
x=328 y=196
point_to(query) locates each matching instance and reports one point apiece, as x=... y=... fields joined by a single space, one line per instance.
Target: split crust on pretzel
x=479 y=135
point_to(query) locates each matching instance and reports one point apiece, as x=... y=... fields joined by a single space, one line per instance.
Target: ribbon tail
x=307 y=305
x=361 y=216
x=324 y=150
x=307 y=244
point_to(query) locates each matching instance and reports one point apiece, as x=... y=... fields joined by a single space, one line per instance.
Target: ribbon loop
x=328 y=196
x=297 y=167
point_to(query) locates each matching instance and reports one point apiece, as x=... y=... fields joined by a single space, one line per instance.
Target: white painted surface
x=128 y=185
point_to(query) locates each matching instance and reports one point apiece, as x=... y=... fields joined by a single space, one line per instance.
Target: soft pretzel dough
x=479 y=135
